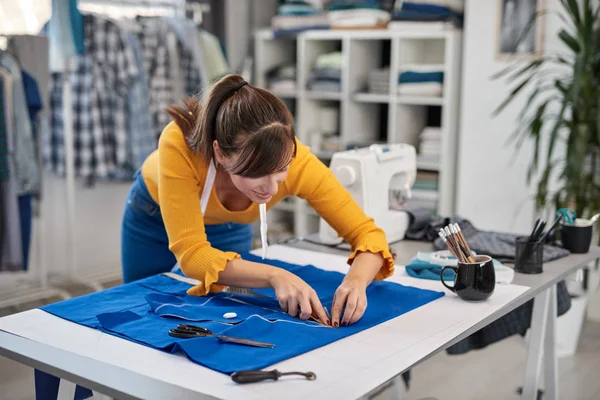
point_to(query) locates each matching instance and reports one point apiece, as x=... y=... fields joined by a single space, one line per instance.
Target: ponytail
x=244 y=120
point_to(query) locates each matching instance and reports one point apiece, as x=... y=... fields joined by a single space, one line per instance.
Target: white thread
x=183 y=305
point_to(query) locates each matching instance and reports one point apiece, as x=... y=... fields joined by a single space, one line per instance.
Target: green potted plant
x=563 y=105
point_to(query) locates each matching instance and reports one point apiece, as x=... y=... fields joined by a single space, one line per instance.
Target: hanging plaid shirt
x=154 y=46
x=100 y=83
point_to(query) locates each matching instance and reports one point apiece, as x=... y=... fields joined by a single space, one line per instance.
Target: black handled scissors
x=184 y=331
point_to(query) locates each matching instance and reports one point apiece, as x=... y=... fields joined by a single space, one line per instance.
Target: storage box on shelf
x=374 y=102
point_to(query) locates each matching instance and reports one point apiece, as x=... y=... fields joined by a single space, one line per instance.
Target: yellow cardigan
x=175 y=175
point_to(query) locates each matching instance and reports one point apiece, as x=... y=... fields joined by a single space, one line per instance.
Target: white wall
x=492 y=190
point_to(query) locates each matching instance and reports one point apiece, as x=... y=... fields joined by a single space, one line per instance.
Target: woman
x=195 y=197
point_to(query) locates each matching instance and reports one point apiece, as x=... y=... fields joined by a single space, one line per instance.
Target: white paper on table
x=263 y=229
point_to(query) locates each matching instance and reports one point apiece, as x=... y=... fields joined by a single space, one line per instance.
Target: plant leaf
x=569 y=40
x=512 y=95
x=573 y=8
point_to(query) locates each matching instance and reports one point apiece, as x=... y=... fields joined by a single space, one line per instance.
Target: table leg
x=66 y=390
x=398 y=388
x=550 y=360
x=100 y=396
x=536 y=345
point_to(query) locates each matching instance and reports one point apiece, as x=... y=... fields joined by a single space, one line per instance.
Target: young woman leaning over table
x=195 y=197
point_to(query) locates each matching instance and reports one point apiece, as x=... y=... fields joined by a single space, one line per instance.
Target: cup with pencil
x=475 y=278
x=529 y=252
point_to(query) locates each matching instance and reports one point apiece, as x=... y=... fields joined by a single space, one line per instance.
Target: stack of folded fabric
x=326 y=75
x=430 y=144
x=282 y=78
x=358 y=14
x=421 y=80
x=427 y=14
x=295 y=16
x=426 y=180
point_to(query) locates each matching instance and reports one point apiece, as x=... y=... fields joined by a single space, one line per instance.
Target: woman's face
x=259 y=190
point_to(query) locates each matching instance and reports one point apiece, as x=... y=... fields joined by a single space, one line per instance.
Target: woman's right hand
x=293 y=293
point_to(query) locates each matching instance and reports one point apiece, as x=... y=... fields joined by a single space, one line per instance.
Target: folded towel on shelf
x=358 y=18
x=431 y=89
x=421 y=77
x=415 y=12
x=324 y=86
x=283 y=85
x=326 y=73
x=457 y=6
x=420 y=25
x=431 y=133
x=297 y=9
x=333 y=60
x=284 y=25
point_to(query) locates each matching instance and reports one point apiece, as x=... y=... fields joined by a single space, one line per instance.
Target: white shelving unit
x=366 y=118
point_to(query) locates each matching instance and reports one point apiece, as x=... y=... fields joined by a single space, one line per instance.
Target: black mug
x=576 y=238
x=475 y=282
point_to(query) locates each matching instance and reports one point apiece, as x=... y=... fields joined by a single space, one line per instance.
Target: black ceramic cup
x=576 y=238
x=473 y=282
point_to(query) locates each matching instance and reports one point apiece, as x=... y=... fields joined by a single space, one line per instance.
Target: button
x=229 y=315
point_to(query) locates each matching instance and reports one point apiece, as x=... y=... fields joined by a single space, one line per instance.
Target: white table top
x=348 y=368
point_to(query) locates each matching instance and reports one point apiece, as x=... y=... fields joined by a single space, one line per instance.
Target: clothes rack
x=30 y=284
x=177 y=8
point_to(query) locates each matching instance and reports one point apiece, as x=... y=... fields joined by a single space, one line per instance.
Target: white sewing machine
x=376 y=176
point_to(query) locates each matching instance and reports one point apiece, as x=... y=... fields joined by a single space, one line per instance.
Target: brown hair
x=244 y=120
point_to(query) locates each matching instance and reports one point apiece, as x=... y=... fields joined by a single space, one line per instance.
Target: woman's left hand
x=351 y=294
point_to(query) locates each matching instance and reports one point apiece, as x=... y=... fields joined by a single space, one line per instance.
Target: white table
x=349 y=368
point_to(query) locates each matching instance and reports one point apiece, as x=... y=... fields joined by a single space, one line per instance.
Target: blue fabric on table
x=127 y=311
x=420 y=77
x=201 y=309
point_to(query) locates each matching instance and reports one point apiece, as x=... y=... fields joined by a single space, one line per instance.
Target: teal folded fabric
x=425 y=270
x=420 y=77
x=422 y=267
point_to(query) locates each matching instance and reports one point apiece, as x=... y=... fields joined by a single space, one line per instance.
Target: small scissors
x=567 y=215
x=184 y=331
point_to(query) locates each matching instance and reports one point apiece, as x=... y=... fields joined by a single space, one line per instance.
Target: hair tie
x=240 y=85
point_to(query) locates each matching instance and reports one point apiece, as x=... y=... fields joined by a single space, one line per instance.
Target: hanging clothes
x=34 y=106
x=4 y=171
x=100 y=85
x=26 y=168
x=140 y=126
x=152 y=38
x=191 y=58
x=66 y=31
x=215 y=63
x=32 y=53
x=12 y=252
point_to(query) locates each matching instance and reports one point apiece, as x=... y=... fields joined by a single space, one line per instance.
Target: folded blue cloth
x=422 y=267
x=420 y=77
x=425 y=270
x=145 y=310
x=432 y=9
